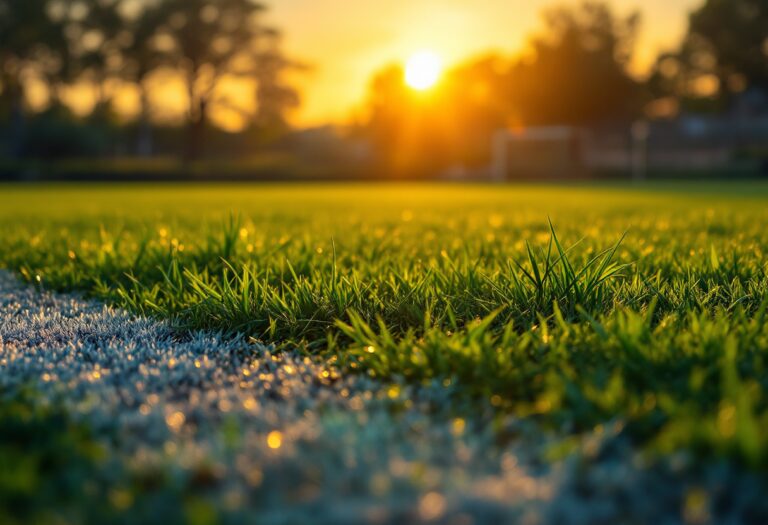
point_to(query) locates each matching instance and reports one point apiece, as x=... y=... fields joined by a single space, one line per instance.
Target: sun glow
x=423 y=70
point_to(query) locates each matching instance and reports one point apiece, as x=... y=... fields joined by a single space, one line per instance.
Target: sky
x=347 y=41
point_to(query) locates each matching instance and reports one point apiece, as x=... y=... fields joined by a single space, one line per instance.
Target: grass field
x=644 y=306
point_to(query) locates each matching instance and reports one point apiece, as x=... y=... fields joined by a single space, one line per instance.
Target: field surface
x=580 y=347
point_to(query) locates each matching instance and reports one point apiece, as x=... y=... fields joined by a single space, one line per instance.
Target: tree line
x=575 y=71
x=60 y=43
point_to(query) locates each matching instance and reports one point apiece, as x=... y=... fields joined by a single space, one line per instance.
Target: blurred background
x=490 y=90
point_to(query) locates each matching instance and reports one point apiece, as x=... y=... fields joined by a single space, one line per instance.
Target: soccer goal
x=536 y=153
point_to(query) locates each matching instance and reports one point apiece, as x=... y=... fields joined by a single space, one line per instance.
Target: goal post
x=552 y=152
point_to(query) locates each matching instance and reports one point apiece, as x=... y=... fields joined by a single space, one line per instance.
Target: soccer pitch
x=570 y=308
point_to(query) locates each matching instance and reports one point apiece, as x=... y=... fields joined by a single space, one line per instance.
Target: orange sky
x=348 y=40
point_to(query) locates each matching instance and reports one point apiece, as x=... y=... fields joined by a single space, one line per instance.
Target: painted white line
x=290 y=441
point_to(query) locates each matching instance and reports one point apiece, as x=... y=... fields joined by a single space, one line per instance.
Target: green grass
x=573 y=306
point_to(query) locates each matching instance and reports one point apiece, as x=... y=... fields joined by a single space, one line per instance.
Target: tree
x=32 y=41
x=724 y=53
x=577 y=72
x=207 y=40
x=142 y=55
x=389 y=110
x=97 y=43
x=480 y=91
x=735 y=32
x=274 y=97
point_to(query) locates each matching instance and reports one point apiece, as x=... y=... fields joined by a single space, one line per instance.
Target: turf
x=571 y=306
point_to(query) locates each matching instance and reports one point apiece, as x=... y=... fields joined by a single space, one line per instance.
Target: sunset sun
x=422 y=71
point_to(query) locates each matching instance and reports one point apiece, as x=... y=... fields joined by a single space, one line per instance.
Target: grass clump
x=694 y=383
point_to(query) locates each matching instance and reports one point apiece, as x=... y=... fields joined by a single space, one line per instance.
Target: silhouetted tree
x=274 y=97
x=578 y=70
x=142 y=54
x=64 y=42
x=724 y=53
x=98 y=48
x=480 y=89
x=736 y=33
x=398 y=124
x=205 y=39
x=32 y=40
